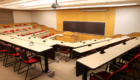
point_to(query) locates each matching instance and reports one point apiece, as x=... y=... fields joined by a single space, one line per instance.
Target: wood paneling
x=76 y=15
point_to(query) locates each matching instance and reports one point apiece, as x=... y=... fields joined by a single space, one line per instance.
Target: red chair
x=29 y=60
x=25 y=24
x=8 y=26
x=20 y=24
x=29 y=33
x=34 y=27
x=13 y=53
x=2 y=50
x=4 y=26
x=46 y=36
x=17 y=30
x=103 y=75
x=36 y=32
x=24 y=28
x=11 y=30
x=43 y=30
x=16 y=25
x=39 y=31
x=29 y=28
x=65 y=50
x=5 y=31
x=52 y=33
x=49 y=34
x=115 y=66
x=42 y=37
x=22 y=34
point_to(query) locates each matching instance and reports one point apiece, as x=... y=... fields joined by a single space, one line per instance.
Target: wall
x=21 y=16
x=77 y=15
x=127 y=20
x=6 y=17
x=47 y=18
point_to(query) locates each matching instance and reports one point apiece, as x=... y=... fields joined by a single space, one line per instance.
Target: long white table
x=95 y=46
x=96 y=60
x=37 y=48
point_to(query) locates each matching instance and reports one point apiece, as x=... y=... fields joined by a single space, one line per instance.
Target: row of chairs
x=47 y=36
x=18 y=30
x=122 y=68
x=32 y=33
x=15 y=25
x=20 y=56
x=118 y=68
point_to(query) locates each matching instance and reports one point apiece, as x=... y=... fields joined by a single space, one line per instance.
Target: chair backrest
x=22 y=34
x=5 y=31
x=117 y=74
x=10 y=49
x=42 y=37
x=17 y=29
x=20 y=24
x=91 y=52
x=130 y=63
x=63 y=48
x=2 y=46
x=23 y=54
x=24 y=28
x=104 y=47
x=25 y=24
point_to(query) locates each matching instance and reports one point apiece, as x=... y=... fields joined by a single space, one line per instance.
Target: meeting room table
x=35 y=47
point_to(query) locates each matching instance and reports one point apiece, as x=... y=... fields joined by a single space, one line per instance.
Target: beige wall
x=127 y=20
x=21 y=16
x=47 y=18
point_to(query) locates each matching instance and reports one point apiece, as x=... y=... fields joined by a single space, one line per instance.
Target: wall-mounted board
x=85 y=27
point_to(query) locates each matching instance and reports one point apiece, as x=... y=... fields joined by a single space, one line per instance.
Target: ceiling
x=64 y=4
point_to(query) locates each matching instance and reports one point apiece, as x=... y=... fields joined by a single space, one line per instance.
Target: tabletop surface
x=96 y=60
x=24 y=43
x=98 y=45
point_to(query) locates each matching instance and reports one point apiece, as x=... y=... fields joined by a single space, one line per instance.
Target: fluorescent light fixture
x=94 y=6
x=40 y=2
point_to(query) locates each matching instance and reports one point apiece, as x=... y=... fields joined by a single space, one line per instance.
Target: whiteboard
x=127 y=20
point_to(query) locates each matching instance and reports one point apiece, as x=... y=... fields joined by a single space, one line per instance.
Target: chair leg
x=15 y=66
x=40 y=74
x=27 y=73
x=134 y=74
x=137 y=70
x=19 y=67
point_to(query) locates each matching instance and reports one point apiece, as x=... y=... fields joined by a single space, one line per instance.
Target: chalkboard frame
x=88 y=33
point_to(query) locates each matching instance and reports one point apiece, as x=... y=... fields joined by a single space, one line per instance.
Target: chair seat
x=32 y=60
x=65 y=51
x=15 y=55
x=134 y=52
x=102 y=74
x=120 y=66
x=4 y=50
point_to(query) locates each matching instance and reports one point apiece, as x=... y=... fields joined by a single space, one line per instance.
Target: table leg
x=85 y=70
x=114 y=61
x=46 y=63
x=70 y=52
